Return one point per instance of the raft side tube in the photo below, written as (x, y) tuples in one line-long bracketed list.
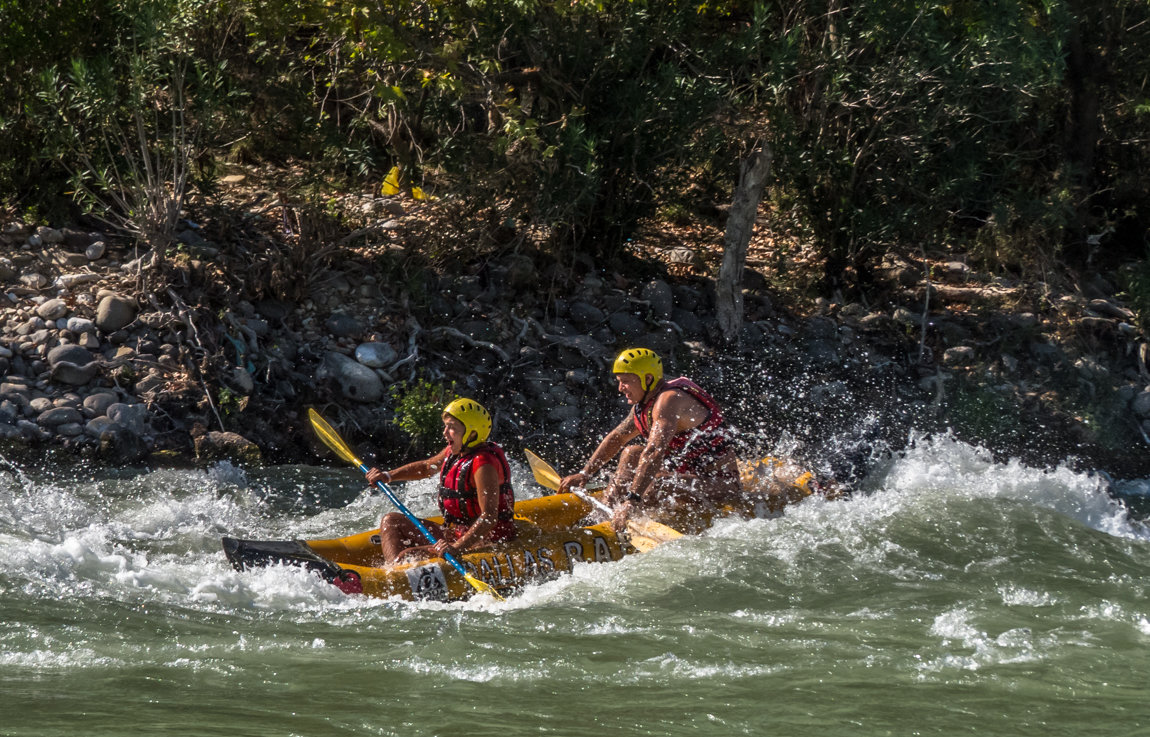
[(248, 554)]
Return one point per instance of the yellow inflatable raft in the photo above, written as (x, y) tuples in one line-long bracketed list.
[(553, 536)]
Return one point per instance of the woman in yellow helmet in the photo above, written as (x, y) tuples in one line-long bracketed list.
[(475, 494), (687, 458)]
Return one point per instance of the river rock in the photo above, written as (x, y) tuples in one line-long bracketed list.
[(343, 326), (958, 356), (72, 364), (569, 428), (1141, 403), (355, 381), (120, 445), (238, 380), (684, 255), (70, 430), (16, 230), (32, 432), (585, 315), (273, 309), (376, 354), (576, 378), (80, 325), (906, 317), (130, 416), (1106, 308), (627, 325), (520, 271), (227, 446), (52, 309), (96, 251), (59, 416), (49, 235), (662, 299), (34, 280), (73, 374), (1090, 369), (563, 412), (97, 404), (68, 281), (115, 312), (686, 298), (70, 353)]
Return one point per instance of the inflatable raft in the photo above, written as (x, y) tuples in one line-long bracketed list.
[(553, 537), (550, 542)]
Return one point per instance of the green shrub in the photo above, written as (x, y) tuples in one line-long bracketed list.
[(418, 411)]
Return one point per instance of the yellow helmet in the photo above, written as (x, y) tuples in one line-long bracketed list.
[(640, 361), (474, 418)]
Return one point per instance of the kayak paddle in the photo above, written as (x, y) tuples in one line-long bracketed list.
[(332, 440), (645, 533)]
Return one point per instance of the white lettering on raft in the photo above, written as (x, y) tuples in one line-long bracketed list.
[(574, 551), (533, 564)]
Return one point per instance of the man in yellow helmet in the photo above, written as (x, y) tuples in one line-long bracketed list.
[(475, 494), (687, 459)]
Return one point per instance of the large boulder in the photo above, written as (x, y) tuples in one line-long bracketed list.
[(355, 381)]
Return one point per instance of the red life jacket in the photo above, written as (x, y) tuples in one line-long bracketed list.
[(458, 494), (690, 451)]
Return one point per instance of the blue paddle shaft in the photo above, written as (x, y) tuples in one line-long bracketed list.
[(414, 520)]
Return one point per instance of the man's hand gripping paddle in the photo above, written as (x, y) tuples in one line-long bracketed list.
[(645, 534), (332, 440)]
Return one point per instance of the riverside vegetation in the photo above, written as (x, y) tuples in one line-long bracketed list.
[(220, 213)]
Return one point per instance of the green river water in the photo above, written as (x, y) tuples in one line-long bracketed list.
[(953, 596)]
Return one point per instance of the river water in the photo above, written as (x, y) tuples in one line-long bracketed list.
[(954, 595)]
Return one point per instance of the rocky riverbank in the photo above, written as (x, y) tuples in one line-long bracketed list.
[(216, 350)]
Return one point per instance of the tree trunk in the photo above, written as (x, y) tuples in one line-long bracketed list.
[(753, 172)]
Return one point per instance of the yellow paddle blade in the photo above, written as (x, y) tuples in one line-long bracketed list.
[(645, 534), (331, 438), (640, 542), (482, 586), (651, 530), (544, 474)]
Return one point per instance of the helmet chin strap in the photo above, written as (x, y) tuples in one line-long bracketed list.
[(649, 389)]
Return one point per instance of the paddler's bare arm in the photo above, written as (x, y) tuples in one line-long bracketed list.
[(610, 446), (664, 426), (672, 414), (413, 471), (487, 482)]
